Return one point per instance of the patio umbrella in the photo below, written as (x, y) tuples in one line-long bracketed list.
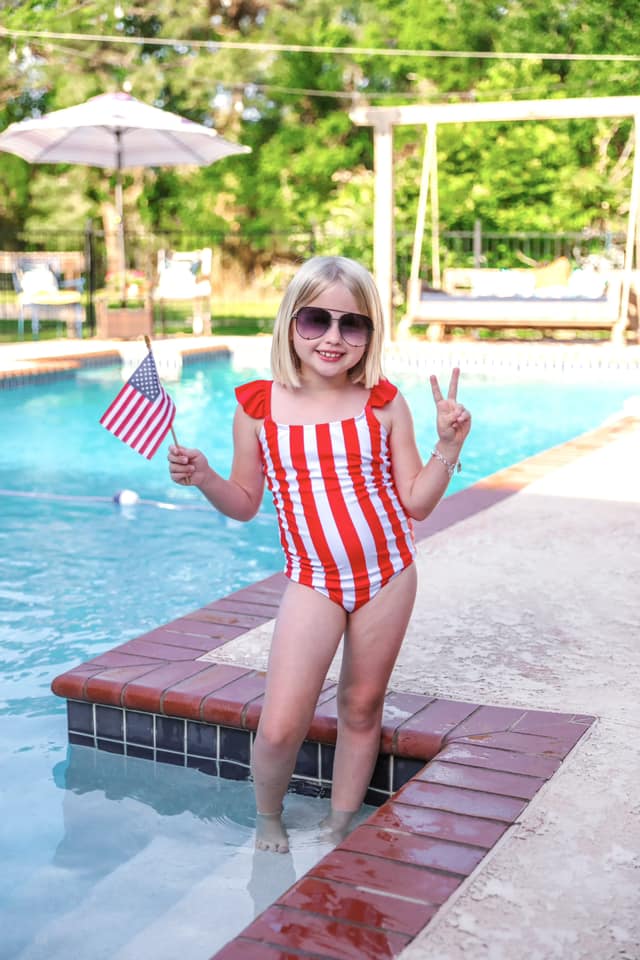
[(114, 130)]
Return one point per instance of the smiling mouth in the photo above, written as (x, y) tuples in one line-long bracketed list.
[(329, 354)]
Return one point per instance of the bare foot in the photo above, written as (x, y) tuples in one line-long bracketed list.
[(336, 824), (270, 833)]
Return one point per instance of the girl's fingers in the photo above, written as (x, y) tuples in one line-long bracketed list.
[(177, 456), (452, 392), (453, 384)]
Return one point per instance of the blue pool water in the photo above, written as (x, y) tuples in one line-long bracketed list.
[(102, 853)]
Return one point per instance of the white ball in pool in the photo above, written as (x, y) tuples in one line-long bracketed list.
[(126, 498)]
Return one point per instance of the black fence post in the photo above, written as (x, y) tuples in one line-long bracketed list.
[(90, 272), (477, 243)]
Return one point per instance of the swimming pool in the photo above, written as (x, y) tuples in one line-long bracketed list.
[(80, 575)]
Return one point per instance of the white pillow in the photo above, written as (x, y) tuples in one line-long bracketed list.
[(587, 283), (39, 280), (506, 283)]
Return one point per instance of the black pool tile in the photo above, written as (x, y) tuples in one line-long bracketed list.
[(403, 769), (327, 756), (110, 746), (381, 777), (375, 798), (202, 739), (163, 756), (234, 771), (170, 733), (308, 762), (80, 716), (204, 766), (307, 788), (139, 728), (235, 745), (81, 739), (144, 753), (109, 722)]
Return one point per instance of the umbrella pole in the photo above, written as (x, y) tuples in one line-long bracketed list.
[(120, 218)]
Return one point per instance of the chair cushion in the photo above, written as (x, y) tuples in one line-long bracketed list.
[(37, 281)]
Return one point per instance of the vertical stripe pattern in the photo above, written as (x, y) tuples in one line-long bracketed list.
[(342, 526)]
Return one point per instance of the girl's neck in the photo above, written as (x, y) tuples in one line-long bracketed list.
[(317, 402), (311, 383)]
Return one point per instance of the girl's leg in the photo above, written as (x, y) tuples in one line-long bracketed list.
[(374, 635), (306, 636)]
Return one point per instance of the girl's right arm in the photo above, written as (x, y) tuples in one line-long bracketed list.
[(238, 497)]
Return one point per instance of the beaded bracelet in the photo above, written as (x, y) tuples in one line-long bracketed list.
[(451, 467)]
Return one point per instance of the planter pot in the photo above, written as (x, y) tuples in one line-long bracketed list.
[(123, 323)]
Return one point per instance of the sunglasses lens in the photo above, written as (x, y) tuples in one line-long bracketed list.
[(355, 329), (312, 322)]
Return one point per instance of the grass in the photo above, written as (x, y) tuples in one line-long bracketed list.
[(232, 316)]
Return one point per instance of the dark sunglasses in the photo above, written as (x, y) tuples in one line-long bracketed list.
[(313, 323)]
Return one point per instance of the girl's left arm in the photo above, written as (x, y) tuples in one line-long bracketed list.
[(421, 485)]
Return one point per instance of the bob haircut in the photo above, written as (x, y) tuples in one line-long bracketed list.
[(312, 279)]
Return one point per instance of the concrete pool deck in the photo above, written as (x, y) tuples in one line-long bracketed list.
[(532, 603), (545, 614)]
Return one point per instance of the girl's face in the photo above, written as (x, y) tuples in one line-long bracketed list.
[(331, 340)]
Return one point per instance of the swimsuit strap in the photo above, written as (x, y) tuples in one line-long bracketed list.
[(255, 398), (382, 394)]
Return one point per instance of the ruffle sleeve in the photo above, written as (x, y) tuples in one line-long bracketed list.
[(253, 397), (382, 394)]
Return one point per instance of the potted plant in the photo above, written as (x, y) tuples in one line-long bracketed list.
[(124, 309)]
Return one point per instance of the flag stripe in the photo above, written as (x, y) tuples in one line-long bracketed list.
[(142, 413)]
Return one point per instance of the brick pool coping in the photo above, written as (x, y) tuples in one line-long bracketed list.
[(472, 769)]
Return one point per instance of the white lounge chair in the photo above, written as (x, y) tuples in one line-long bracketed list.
[(186, 276), (41, 293)]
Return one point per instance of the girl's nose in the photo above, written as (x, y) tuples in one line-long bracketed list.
[(333, 333)]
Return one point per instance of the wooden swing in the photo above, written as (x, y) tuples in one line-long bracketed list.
[(443, 307)]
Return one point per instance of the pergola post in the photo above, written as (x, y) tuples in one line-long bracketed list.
[(435, 214), (383, 219), (415, 278), (632, 238)]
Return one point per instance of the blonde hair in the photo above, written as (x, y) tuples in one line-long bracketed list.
[(312, 279)]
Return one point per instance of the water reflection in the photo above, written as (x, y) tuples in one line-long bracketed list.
[(169, 790), (153, 860)]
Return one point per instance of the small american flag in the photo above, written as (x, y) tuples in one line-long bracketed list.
[(142, 413)]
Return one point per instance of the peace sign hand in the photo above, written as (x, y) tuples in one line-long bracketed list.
[(453, 421)]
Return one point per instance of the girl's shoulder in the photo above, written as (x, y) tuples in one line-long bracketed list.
[(382, 394), (255, 398)]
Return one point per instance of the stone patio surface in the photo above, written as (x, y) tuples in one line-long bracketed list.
[(535, 603)]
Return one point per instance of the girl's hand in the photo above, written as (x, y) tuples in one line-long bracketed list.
[(453, 420), (187, 466)]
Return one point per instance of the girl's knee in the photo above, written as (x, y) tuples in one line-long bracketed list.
[(360, 710), (277, 736)]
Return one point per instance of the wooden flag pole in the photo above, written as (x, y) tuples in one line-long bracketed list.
[(147, 340)]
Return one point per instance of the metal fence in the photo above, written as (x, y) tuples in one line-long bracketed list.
[(251, 270)]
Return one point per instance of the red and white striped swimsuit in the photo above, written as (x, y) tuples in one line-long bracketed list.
[(342, 527)]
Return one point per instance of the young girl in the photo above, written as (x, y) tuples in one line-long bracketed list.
[(336, 444)]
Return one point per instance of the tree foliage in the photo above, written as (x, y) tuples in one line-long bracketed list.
[(310, 169)]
